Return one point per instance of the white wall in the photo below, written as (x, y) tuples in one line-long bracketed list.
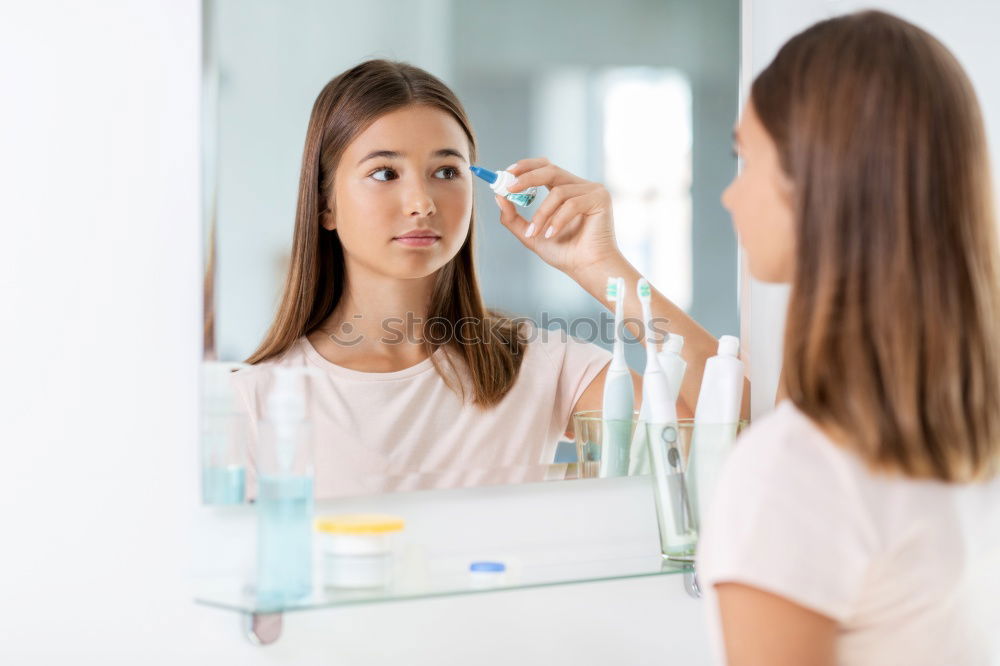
[(968, 28), (100, 276)]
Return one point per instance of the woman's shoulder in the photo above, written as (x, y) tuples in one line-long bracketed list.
[(786, 442), (786, 428), (295, 355)]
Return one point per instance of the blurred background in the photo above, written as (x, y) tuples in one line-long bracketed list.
[(640, 95)]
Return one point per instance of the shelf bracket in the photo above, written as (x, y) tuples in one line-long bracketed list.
[(691, 585), (262, 628)]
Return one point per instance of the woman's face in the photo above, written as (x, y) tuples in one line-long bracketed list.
[(760, 202), (402, 194)]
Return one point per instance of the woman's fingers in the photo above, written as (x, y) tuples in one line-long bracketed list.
[(594, 201), (519, 167), (562, 205), (556, 198), (564, 224), (510, 218), (545, 175)]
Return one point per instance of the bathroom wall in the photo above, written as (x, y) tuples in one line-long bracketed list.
[(968, 28)]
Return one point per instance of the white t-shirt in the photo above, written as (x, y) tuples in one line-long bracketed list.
[(376, 432), (909, 569)]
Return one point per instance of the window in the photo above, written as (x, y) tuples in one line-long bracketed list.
[(647, 136)]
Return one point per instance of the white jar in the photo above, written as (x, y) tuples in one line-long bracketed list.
[(357, 549)]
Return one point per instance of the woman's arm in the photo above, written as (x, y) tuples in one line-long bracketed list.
[(573, 230), (763, 629), (593, 397)]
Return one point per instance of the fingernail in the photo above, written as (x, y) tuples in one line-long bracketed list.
[(549, 232), (530, 230), (511, 166), (497, 200)]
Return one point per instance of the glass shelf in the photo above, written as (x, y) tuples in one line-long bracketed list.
[(442, 577)]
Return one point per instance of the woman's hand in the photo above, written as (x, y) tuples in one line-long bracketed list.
[(573, 227), (576, 216)]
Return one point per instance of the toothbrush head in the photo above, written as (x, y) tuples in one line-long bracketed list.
[(613, 294), (642, 288)]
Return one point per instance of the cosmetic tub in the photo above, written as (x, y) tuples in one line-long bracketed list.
[(357, 549)]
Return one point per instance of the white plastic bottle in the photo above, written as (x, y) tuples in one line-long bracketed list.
[(716, 418), (499, 181), (284, 502), (673, 363), (224, 428)]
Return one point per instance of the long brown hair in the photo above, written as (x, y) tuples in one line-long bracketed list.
[(892, 340), (346, 106)]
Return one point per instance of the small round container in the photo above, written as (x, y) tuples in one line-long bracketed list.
[(357, 549)]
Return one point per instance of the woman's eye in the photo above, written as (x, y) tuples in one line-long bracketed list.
[(383, 174), (448, 173)]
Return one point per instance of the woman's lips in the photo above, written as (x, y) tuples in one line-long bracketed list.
[(417, 241)]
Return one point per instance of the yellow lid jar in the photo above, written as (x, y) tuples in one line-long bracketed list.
[(357, 549)]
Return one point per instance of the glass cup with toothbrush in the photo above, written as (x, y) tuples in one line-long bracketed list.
[(589, 430), (676, 520), (604, 437), (672, 450)]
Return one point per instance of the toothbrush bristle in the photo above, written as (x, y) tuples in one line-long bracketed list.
[(644, 291), (612, 291)]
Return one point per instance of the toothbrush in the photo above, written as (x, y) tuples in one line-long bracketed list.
[(668, 465), (674, 367), (638, 463), (655, 386), (639, 456), (618, 396)]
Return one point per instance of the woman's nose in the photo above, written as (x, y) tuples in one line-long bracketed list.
[(727, 196), (419, 203)]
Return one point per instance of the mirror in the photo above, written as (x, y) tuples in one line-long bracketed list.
[(640, 95)]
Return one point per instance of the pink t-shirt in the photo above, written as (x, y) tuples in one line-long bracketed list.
[(375, 432), (909, 569)]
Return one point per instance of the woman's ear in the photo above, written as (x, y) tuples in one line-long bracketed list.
[(327, 220)]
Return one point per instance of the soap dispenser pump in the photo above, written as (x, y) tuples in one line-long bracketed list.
[(285, 490)]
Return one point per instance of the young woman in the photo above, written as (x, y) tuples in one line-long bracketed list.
[(859, 523), (419, 384)]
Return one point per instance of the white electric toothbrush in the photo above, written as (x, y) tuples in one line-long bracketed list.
[(674, 367), (638, 462), (618, 396), (672, 507)]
